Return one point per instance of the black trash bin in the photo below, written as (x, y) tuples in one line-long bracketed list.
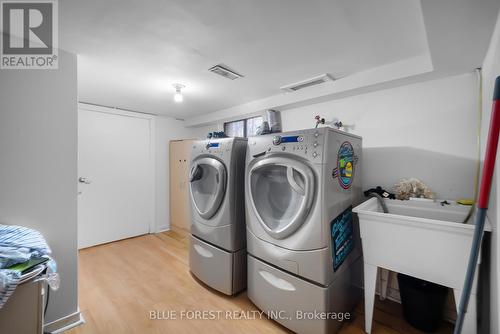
[(423, 302)]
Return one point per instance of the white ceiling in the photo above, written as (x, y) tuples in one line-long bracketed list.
[(131, 52)]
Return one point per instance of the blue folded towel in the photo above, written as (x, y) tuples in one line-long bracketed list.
[(17, 244)]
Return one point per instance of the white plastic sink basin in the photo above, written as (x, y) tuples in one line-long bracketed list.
[(420, 238)]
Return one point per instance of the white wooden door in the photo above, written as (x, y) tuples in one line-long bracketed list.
[(115, 185)]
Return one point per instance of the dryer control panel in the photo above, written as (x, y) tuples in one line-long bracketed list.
[(218, 147), (210, 145)]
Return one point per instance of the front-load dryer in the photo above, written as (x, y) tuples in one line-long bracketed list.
[(304, 251), (217, 253)]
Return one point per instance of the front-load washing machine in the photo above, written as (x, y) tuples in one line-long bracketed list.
[(304, 250), (217, 253)]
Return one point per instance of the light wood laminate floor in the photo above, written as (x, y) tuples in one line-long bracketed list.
[(121, 282)]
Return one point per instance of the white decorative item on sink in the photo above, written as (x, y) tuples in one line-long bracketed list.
[(421, 238)]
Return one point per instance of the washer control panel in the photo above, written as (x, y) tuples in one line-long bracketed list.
[(306, 143), (277, 140)]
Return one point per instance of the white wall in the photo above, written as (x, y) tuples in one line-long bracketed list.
[(426, 130), (491, 69), (38, 165)]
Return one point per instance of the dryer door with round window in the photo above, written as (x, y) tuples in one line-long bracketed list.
[(207, 179), (282, 193)]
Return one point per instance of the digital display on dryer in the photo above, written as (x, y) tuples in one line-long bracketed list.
[(213, 145)]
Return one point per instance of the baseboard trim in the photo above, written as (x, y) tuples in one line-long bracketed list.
[(65, 323), (162, 228)]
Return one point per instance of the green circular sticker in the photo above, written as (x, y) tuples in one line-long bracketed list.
[(345, 165)]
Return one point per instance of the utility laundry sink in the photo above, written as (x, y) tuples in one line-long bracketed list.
[(421, 238)]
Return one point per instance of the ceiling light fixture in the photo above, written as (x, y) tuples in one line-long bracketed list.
[(178, 94)]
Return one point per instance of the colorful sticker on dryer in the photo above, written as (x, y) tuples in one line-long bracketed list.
[(345, 165)]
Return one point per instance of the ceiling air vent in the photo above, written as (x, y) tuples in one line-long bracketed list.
[(225, 72), (307, 83)]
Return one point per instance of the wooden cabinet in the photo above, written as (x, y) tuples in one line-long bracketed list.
[(180, 156)]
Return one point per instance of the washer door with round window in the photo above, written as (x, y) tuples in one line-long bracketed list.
[(281, 194), (207, 179)]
